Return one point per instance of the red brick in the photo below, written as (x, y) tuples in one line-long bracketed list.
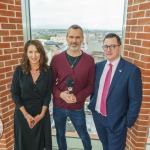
[(129, 15), (15, 20), (10, 51), (146, 28), (6, 81), (6, 104), (129, 59), (11, 62), (18, 14), (145, 58), (146, 92), (4, 45), (145, 21), (146, 44), (21, 49), (130, 35), (128, 28), (147, 13), (7, 1), (129, 47), (3, 93), (146, 79), (21, 38), (134, 55), (139, 1), (17, 44), (144, 6), (137, 28), (3, 87), (1, 64), (132, 8), (5, 69), (127, 41), (14, 7), (17, 2), (139, 64), (19, 26), (19, 55), (9, 38), (8, 26), (3, 6), (130, 2), (145, 36), (135, 42), (3, 19), (143, 117), (16, 32), (4, 32), (5, 57), (7, 13), (144, 111), (138, 14), (132, 22), (142, 50)]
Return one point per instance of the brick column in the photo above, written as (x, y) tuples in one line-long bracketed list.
[(137, 51), (11, 47)]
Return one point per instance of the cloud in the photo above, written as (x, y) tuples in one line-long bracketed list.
[(87, 13)]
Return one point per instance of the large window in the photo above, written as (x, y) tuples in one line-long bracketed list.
[(49, 20)]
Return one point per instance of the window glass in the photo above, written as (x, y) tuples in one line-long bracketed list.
[(50, 20)]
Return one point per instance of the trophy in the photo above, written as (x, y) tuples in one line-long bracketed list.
[(70, 83)]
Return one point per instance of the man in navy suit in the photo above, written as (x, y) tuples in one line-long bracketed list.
[(123, 100)]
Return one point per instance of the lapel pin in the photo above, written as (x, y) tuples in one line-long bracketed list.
[(120, 70)]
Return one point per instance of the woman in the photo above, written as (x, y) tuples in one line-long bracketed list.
[(31, 92)]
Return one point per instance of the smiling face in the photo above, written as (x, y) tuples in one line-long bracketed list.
[(33, 55), (112, 54), (74, 39)]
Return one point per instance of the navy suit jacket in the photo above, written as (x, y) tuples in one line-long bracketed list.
[(124, 96)]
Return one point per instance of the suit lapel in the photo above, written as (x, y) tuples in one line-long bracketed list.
[(118, 72)]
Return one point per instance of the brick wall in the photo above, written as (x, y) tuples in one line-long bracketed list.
[(11, 47), (137, 51)]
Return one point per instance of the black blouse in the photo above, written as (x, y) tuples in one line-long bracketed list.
[(25, 90)]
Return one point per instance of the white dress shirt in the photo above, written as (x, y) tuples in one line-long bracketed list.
[(102, 80)]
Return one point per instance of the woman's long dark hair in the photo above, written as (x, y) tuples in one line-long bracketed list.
[(25, 64)]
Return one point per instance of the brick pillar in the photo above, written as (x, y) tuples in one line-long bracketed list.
[(11, 47), (137, 51)]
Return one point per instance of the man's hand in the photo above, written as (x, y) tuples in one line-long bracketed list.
[(68, 98)]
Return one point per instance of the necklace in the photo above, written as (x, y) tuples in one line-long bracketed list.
[(72, 63)]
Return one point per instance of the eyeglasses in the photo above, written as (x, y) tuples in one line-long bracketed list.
[(111, 47)]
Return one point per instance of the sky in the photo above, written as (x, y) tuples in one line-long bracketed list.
[(89, 14)]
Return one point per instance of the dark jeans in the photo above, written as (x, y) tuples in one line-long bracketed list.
[(77, 118)]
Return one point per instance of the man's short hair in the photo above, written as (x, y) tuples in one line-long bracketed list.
[(113, 35), (75, 26)]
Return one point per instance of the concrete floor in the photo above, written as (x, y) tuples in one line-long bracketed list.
[(76, 144)]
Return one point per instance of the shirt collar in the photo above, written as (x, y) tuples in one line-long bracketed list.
[(114, 63)]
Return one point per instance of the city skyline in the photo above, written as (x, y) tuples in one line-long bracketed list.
[(88, 14)]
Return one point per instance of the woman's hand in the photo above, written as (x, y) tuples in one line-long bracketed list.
[(30, 120), (37, 118)]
